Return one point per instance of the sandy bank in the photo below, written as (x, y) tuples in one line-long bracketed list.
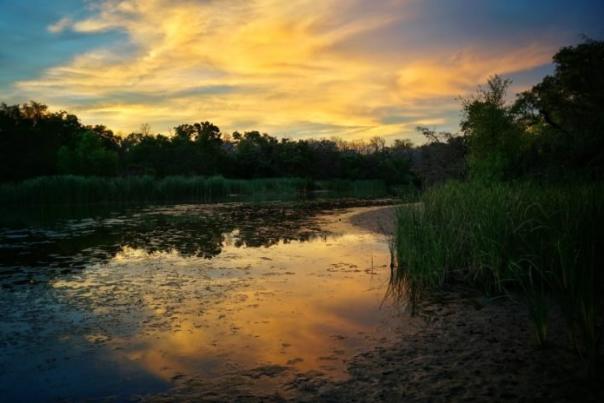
[(379, 219), (471, 349)]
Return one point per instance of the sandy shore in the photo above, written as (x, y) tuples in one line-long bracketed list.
[(471, 349), (379, 219)]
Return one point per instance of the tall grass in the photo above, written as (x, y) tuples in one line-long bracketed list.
[(71, 189), (366, 188), (542, 243)]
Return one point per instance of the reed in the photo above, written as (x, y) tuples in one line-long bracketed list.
[(362, 189), (541, 243), (77, 190)]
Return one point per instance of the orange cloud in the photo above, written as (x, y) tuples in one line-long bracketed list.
[(264, 62)]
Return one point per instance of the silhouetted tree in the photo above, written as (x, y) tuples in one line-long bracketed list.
[(442, 158), (87, 156), (495, 140), (563, 113)]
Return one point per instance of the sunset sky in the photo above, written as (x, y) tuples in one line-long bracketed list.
[(296, 68)]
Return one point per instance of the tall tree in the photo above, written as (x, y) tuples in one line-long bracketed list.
[(566, 109), (494, 138)]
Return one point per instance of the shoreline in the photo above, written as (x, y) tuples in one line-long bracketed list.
[(471, 348), (465, 348), (376, 218), (381, 220)]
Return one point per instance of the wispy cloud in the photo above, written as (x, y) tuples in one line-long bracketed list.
[(279, 64), (60, 25)]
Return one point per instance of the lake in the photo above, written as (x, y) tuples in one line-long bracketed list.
[(206, 300)]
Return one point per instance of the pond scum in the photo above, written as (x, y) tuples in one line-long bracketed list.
[(71, 189), (540, 243)]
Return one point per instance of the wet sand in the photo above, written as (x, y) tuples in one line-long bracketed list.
[(377, 219), (470, 348)]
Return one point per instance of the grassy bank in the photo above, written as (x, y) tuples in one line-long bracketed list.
[(539, 243), (140, 189)]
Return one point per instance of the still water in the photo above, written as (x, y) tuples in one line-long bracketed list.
[(129, 304)]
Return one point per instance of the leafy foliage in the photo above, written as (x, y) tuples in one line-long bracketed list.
[(38, 143), (495, 140), (554, 130), (87, 156)]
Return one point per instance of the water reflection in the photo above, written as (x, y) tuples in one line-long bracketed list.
[(154, 309), (33, 250)]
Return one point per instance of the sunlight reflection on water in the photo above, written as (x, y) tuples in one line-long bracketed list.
[(156, 316)]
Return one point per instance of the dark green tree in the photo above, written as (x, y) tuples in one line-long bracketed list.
[(495, 140), (565, 111), (87, 156)]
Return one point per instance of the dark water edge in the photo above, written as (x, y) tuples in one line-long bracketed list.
[(60, 235)]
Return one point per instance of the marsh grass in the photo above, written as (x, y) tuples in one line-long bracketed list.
[(541, 244), (74, 190), (366, 188)]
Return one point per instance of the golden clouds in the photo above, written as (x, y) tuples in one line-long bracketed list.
[(464, 70), (266, 63)]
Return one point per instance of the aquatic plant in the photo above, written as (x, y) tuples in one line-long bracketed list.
[(366, 188), (540, 243)]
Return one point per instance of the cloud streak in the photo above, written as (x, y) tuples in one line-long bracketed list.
[(290, 67)]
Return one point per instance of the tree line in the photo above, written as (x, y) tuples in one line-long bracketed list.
[(35, 142), (553, 129)]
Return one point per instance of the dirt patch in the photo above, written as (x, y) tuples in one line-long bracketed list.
[(471, 349), (377, 219), (380, 219)]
